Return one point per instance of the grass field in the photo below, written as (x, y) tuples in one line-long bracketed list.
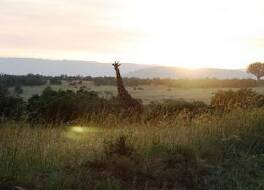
[(214, 150), (145, 93), (220, 153)]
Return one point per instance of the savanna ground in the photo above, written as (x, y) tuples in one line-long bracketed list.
[(146, 93), (219, 151)]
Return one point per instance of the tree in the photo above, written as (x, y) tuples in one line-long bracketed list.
[(256, 69)]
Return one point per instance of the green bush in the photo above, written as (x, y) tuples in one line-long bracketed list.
[(11, 107), (66, 106)]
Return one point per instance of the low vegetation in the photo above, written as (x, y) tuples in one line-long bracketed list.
[(243, 98), (216, 152), (64, 139), (56, 107)]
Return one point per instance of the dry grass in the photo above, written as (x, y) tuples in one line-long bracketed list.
[(50, 158)]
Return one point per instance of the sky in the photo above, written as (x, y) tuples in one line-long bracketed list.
[(182, 33)]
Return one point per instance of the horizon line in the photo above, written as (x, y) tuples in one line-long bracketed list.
[(102, 62)]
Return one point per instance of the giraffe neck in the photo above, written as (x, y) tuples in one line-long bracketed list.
[(120, 86)]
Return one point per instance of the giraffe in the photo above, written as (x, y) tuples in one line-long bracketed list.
[(129, 103)]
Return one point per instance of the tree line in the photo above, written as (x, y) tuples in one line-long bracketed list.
[(36, 80)]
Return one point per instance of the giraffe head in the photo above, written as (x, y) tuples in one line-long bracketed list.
[(116, 65)]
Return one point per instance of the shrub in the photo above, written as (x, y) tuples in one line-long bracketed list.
[(66, 106), (165, 166), (11, 107), (120, 147), (243, 98), (172, 108)]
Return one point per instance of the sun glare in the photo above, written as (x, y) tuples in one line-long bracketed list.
[(216, 34)]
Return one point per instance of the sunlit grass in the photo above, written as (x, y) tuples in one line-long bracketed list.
[(45, 156)]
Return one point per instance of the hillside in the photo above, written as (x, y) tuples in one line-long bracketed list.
[(178, 73), (22, 66)]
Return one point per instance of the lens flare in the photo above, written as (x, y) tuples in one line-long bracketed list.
[(77, 129), (77, 132)]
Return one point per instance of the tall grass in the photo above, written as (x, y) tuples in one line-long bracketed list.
[(210, 152)]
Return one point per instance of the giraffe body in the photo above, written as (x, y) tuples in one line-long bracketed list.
[(129, 103)]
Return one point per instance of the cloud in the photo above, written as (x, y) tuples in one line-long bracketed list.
[(63, 25)]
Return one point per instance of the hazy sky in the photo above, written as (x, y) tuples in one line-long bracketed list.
[(185, 33)]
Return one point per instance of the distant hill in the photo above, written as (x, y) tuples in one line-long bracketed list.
[(22, 66), (179, 73)]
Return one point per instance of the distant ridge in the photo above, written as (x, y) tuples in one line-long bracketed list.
[(182, 73), (23, 66)]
